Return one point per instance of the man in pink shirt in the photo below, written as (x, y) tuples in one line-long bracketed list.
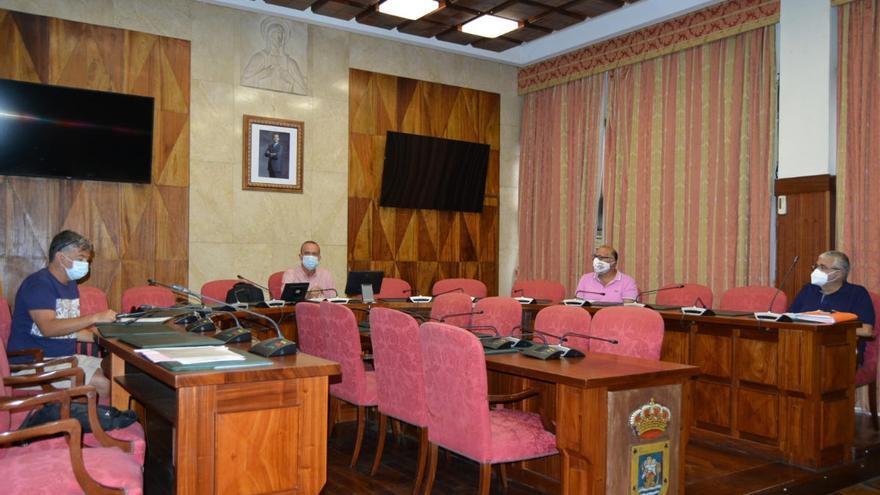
[(605, 283), (320, 280)]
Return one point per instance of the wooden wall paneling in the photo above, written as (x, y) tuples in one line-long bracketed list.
[(420, 246), (139, 231), (807, 229)]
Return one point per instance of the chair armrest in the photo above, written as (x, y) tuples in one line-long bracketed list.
[(76, 375), (45, 363), (91, 395), (35, 354), (510, 398)]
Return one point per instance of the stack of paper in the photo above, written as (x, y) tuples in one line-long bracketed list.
[(823, 317), (144, 319), (191, 355)]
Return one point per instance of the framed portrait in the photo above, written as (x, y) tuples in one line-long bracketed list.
[(272, 154)]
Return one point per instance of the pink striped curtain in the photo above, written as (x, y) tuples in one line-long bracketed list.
[(558, 190), (858, 138), (689, 163)]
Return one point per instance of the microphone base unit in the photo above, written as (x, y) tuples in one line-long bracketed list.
[(420, 299), (771, 316), (274, 303), (496, 343), (201, 325), (697, 311), (568, 352), (635, 304), (543, 352), (525, 300), (339, 300), (279, 346), (575, 302), (234, 335)]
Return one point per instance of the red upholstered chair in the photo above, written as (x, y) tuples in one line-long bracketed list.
[(394, 288), (459, 418), (311, 336), (559, 320), (639, 332), (358, 386), (469, 286), (5, 321), (134, 297), (549, 290), (454, 303), (689, 295), (275, 286), (753, 298), (400, 382), (867, 374), (91, 300), (217, 289), (504, 314)]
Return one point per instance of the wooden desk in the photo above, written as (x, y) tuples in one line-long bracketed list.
[(249, 430), (591, 400)]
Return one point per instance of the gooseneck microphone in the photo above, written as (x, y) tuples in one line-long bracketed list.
[(457, 289), (254, 284), (577, 293), (769, 314), (321, 291), (661, 289)]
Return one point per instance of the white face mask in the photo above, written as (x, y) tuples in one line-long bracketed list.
[(600, 266), (78, 270), (310, 262), (818, 277)]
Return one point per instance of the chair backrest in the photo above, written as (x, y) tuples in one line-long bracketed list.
[(394, 288), (311, 335), (550, 290), (397, 356), (559, 320), (689, 295), (469, 286), (217, 289), (504, 314), (5, 417), (753, 298), (343, 344), (91, 300), (456, 389), (638, 330), (454, 303), (134, 297), (867, 373), (274, 285), (5, 322)]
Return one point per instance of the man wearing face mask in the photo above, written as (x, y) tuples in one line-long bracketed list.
[(320, 280), (829, 290), (606, 283), (46, 314)]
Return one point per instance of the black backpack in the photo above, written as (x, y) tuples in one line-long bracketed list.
[(109, 417), (243, 292)]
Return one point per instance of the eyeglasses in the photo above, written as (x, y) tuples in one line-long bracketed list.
[(826, 269), (607, 259)]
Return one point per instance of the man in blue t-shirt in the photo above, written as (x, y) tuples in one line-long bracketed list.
[(828, 290), (46, 314)]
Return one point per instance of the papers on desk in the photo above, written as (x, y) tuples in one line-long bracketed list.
[(191, 355), (145, 319), (823, 317)]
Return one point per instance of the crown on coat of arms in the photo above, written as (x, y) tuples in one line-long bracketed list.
[(650, 420)]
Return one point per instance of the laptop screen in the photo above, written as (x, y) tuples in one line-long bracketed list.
[(295, 292)]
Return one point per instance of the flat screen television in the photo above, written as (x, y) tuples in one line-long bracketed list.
[(433, 173), (54, 131)]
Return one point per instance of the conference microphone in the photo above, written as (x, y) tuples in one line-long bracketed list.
[(278, 346), (769, 315), (578, 301), (661, 289), (523, 298), (457, 289), (272, 302), (701, 310)]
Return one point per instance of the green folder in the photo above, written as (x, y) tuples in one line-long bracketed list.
[(173, 339), (114, 330), (250, 360)]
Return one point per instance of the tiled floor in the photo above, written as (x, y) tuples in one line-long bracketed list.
[(870, 487)]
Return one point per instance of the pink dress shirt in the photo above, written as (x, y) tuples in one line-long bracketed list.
[(322, 279), (622, 287)]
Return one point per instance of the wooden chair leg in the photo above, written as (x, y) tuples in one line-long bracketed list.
[(432, 467), (397, 428), (383, 431), (331, 422), (502, 473), (362, 419), (872, 403), (485, 478), (423, 453)]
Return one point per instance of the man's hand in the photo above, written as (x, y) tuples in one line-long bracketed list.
[(107, 316)]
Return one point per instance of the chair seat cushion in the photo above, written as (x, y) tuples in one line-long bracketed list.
[(518, 435), (132, 433), (50, 472), (364, 397)]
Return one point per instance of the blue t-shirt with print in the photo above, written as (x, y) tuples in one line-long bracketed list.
[(41, 290)]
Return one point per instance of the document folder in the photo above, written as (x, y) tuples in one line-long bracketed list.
[(174, 339)]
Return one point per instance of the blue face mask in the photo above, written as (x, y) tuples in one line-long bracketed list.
[(78, 269), (310, 262)]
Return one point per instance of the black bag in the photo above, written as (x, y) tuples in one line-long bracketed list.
[(244, 292), (109, 417)]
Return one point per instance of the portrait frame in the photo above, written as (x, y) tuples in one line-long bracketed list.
[(272, 154)]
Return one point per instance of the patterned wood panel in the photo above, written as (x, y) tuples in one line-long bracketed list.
[(420, 246), (139, 230)]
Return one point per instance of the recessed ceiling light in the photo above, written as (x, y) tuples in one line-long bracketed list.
[(489, 26), (408, 9)]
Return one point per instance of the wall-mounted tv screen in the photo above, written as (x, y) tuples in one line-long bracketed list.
[(433, 173), (54, 131)]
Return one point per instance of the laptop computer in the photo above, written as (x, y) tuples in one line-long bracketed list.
[(295, 292)]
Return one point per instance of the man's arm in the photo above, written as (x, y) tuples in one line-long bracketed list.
[(51, 326), (865, 330)]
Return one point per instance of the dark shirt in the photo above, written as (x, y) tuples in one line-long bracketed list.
[(41, 290), (850, 298)]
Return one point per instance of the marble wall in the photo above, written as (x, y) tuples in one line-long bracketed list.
[(255, 233)]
